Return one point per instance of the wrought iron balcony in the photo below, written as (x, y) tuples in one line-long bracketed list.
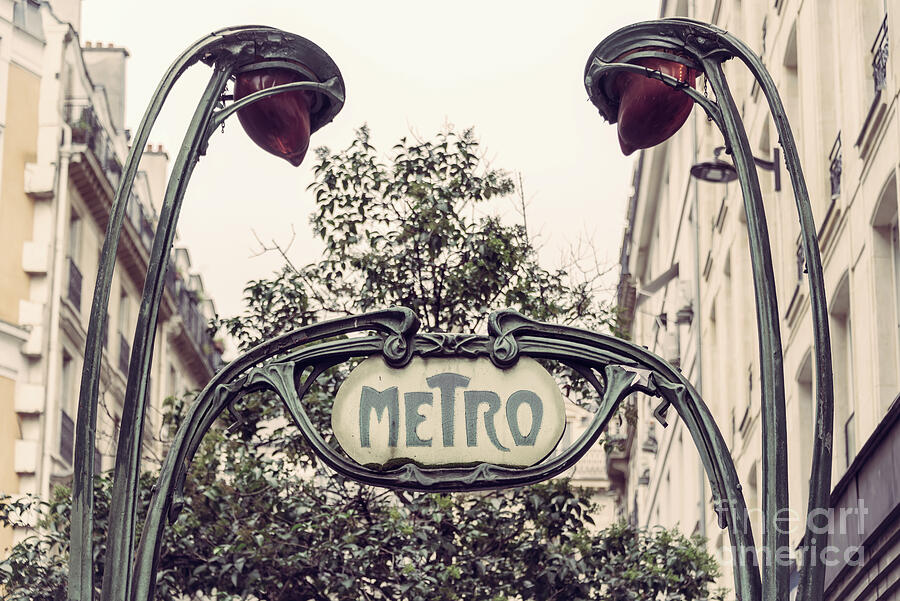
[(124, 353), (86, 129), (834, 168), (66, 436), (592, 466), (801, 261), (74, 287), (880, 56), (195, 323), (644, 478)]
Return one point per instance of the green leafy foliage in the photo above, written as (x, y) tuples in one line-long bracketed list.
[(417, 232), (263, 520), (265, 534)]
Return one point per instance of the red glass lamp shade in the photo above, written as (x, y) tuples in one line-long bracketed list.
[(279, 124), (650, 111)]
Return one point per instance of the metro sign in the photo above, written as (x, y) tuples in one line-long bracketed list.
[(448, 412)]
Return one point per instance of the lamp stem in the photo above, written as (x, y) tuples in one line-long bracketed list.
[(120, 543), (812, 571), (775, 577), (81, 547)]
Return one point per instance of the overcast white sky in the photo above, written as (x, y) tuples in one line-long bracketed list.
[(513, 70)]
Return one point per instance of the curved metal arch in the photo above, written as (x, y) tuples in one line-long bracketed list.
[(225, 50), (677, 391), (396, 324), (710, 46), (812, 580), (274, 366), (81, 554)]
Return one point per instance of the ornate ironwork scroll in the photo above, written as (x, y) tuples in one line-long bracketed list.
[(617, 369)]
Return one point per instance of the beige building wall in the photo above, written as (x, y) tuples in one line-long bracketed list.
[(19, 87), (62, 148), (16, 212), (9, 432)]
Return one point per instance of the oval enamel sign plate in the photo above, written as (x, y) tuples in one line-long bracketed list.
[(448, 412)]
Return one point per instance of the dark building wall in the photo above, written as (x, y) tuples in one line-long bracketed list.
[(864, 555)]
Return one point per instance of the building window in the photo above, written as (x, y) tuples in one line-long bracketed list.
[(801, 429), (124, 312), (66, 383), (850, 437), (895, 259), (74, 237), (886, 292), (66, 404), (73, 290), (117, 428), (124, 323), (98, 460), (751, 498), (842, 361), (790, 85), (27, 16), (173, 382), (835, 168), (879, 56)]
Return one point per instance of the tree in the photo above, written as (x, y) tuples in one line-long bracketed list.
[(263, 519)]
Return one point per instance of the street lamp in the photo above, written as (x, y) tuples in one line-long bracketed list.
[(703, 48), (285, 88), (277, 124), (649, 111), (718, 171), (715, 170)]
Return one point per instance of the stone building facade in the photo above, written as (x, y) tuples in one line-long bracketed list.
[(62, 147), (686, 290)]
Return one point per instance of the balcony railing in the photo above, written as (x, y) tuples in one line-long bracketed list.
[(87, 130), (124, 353), (880, 56), (74, 287), (592, 466), (66, 436), (834, 167), (801, 260), (194, 321)]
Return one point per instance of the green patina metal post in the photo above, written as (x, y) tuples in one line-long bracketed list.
[(227, 51), (706, 48), (615, 368)]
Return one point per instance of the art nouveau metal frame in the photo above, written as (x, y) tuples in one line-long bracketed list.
[(289, 364)]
